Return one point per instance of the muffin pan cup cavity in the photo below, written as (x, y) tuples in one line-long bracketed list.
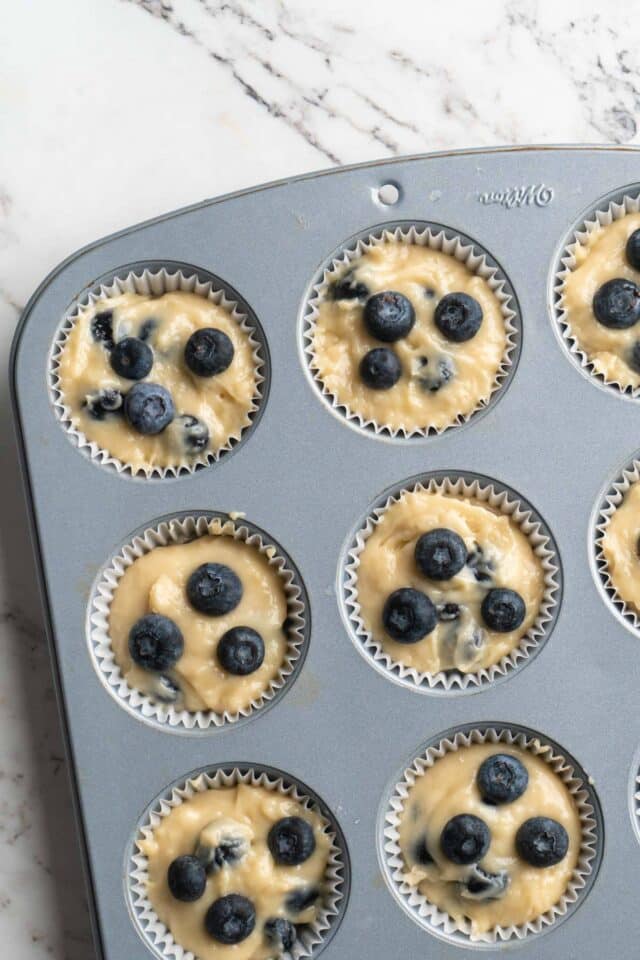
[(156, 279), (501, 498), (613, 206), (426, 914), (606, 505), (183, 529), (434, 236), (312, 937)]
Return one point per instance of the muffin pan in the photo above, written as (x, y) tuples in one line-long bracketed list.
[(302, 474)]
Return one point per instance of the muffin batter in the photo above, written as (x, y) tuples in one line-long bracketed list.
[(156, 583), (601, 258), (450, 788), (441, 380), (245, 814), (209, 411), (499, 555), (620, 547)]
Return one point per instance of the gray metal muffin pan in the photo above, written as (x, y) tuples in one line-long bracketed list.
[(305, 477)]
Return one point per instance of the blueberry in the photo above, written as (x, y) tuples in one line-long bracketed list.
[(349, 289), (380, 369), (214, 588), (280, 933), (389, 316), (458, 317), (501, 779), (301, 899), (503, 610), (149, 408), (632, 250), (542, 842), (409, 615), (481, 565), (167, 690), (482, 885), (102, 328), (230, 919), (448, 611), (440, 554), (465, 839), (105, 401), (147, 328), (429, 293), (633, 357), (229, 851), (439, 377), (186, 878), (195, 433), (155, 642), (131, 358), (421, 853), (291, 841), (208, 351), (616, 304), (240, 651)]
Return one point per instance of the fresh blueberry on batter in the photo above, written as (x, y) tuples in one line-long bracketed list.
[(155, 643), (448, 611), (228, 852), (101, 404), (421, 853), (291, 841), (482, 885), (195, 433), (409, 615), (131, 358), (230, 919), (616, 304), (147, 328), (458, 317), (187, 879), (435, 379), (465, 839), (632, 250), (299, 900), (149, 408), (214, 589), (480, 564), (440, 554), (502, 779), (380, 369), (240, 651), (542, 842), (280, 933), (208, 351), (389, 316), (503, 610), (102, 328), (347, 288)]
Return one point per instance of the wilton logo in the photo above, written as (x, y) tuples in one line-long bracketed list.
[(533, 195)]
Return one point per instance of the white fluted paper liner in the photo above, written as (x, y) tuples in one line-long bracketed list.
[(428, 914), (182, 530), (309, 936), (154, 283), (542, 545), (605, 510), (446, 241), (600, 217)]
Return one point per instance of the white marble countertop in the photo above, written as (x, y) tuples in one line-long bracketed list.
[(113, 111)]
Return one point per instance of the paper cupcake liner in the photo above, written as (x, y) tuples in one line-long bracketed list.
[(311, 937), (427, 914), (157, 280), (182, 529), (606, 505), (499, 497), (634, 795), (436, 237), (602, 214)]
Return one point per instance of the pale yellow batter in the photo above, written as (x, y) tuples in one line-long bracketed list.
[(600, 258), (256, 875), (620, 547), (155, 583), (222, 402), (447, 789), (340, 340), (387, 563)]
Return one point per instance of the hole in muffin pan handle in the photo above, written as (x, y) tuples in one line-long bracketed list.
[(388, 194)]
